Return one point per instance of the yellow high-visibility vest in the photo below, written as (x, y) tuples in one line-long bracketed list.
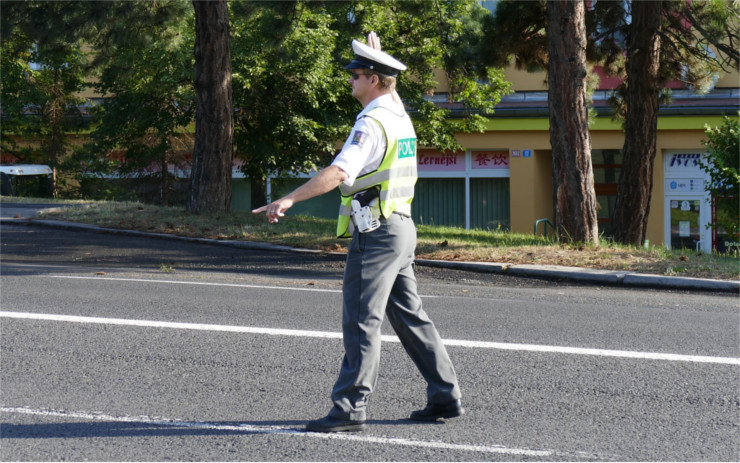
[(396, 174)]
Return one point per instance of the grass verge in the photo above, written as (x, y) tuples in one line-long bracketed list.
[(442, 243)]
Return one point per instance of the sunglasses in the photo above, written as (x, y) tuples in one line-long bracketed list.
[(356, 75)]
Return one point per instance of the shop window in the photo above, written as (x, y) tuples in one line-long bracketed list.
[(439, 201), (685, 223), (606, 166), (489, 204)]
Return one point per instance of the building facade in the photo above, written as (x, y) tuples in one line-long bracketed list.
[(503, 177)]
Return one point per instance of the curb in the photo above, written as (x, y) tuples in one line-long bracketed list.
[(602, 277), (575, 274)]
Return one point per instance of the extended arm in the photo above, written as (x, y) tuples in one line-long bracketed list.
[(325, 181)]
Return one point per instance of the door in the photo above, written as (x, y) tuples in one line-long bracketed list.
[(687, 224)]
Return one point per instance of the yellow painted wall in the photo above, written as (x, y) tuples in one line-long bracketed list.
[(442, 81), (731, 80), (531, 190), (531, 178), (523, 81)]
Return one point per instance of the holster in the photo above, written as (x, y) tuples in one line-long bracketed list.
[(366, 209)]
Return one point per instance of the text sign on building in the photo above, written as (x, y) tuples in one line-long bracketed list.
[(684, 185), (683, 163), (490, 159), (683, 173), (435, 161)]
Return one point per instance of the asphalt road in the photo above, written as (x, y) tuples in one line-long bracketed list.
[(131, 348)]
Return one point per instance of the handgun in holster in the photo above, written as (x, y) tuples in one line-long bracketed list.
[(366, 209)]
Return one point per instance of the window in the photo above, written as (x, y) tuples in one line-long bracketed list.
[(606, 166), (439, 201)]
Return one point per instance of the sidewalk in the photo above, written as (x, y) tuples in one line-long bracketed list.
[(550, 272)]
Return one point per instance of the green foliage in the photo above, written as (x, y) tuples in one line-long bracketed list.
[(142, 124), (13, 94), (433, 35), (287, 91), (41, 103), (292, 97), (42, 75), (723, 167), (516, 33)]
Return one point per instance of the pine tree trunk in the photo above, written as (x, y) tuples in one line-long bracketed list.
[(635, 186), (573, 181), (54, 115), (210, 183), (165, 181), (258, 189)]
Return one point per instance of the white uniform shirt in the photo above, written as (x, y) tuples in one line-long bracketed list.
[(365, 147)]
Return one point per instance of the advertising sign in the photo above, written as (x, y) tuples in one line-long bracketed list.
[(490, 159), (683, 163), (435, 161)]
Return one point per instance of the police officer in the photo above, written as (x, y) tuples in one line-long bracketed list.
[(376, 173)]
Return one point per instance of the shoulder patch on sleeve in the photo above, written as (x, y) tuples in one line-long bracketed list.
[(358, 138)]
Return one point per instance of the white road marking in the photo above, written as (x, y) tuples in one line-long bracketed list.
[(385, 338), (200, 283), (251, 428)]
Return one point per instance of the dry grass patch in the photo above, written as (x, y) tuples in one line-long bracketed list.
[(443, 243)]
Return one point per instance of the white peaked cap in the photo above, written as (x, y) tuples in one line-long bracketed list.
[(370, 58)]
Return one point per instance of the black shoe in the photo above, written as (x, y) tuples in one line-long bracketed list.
[(433, 412), (331, 424)]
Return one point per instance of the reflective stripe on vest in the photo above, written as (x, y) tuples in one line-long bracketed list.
[(346, 209), (396, 175)]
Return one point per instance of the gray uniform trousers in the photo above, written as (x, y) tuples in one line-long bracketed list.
[(379, 279)]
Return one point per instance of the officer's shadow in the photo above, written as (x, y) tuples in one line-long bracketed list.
[(103, 428)]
